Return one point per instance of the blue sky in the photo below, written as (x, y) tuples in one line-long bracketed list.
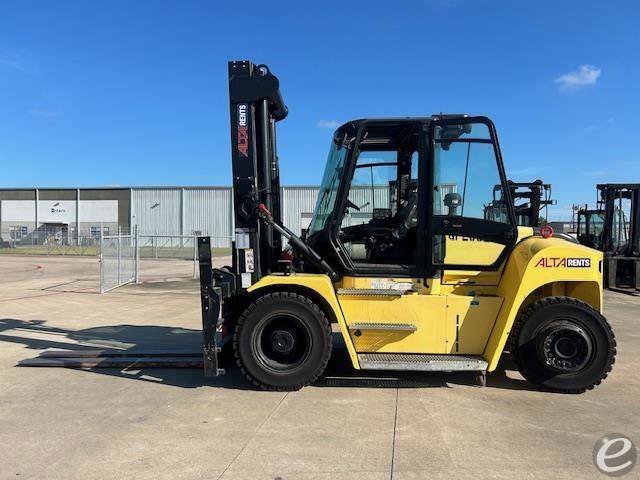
[(117, 92)]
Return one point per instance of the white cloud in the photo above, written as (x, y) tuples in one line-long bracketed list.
[(593, 173), (585, 75), (328, 124), (44, 113)]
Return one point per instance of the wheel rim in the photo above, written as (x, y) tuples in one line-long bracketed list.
[(282, 343), (565, 346)]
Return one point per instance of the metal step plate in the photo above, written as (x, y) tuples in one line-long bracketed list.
[(376, 292), (383, 326), (421, 362)]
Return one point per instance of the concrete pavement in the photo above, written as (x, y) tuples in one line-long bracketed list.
[(173, 423)]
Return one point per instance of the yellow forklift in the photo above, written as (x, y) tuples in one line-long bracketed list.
[(399, 255)]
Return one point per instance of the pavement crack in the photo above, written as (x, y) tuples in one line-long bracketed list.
[(393, 443), (253, 435)]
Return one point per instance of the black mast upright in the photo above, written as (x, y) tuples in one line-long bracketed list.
[(255, 106)]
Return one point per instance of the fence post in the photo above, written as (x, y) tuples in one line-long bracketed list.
[(101, 264), (195, 255), (119, 252), (136, 256)]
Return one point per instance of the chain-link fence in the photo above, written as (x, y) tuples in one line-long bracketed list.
[(118, 261), (61, 241), (49, 241), (168, 246), (132, 258), (125, 257), (159, 247)]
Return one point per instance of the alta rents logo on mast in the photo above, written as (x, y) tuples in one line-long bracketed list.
[(559, 262), (243, 133)]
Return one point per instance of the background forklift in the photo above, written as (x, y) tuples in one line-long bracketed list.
[(536, 196), (529, 199), (614, 228), (589, 227), (422, 282)]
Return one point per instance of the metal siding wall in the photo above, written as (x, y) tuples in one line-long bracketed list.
[(366, 199), (295, 202), (156, 210), (443, 189), (210, 212)]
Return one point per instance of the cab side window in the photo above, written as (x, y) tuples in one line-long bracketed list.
[(467, 188), (381, 215), (466, 177)]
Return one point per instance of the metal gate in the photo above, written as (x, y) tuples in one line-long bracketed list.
[(118, 260), (121, 255)]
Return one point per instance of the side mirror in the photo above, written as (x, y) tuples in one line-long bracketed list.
[(453, 131)]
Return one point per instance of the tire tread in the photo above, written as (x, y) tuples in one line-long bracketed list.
[(538, 305), (273, 296)]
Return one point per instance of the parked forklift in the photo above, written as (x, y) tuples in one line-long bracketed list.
[(529, 199), (535, 197), (589, 227), (419, 280), (614, 228)]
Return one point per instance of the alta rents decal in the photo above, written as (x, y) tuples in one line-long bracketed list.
[(557, 262), (243, 134)]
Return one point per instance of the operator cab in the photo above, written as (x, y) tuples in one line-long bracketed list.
[(398, 195), (379, 220), (590, 226)]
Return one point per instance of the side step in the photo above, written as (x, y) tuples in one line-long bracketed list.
[(421, 362), (383, 326), (376, 292)]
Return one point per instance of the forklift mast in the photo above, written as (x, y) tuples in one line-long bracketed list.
[(611, 199), (536, 196), (255, 105)]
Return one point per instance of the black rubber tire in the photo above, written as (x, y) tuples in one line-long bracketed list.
[(527, 332), (257, 316)]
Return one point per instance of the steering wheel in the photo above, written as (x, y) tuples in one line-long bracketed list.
[(350, 204)]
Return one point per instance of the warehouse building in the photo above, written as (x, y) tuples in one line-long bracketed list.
[(79, 215)]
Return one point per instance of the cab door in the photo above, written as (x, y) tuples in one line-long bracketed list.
[(472, 227), (472, 223), (388, 305)]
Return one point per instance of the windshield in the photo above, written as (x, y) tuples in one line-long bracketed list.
[(329, 187), (582, 223), (596, 224), (620, 234)]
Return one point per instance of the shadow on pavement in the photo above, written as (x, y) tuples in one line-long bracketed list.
[(132, 339)]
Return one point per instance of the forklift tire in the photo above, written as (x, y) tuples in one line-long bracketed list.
[(282, 341), (563, 345)]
